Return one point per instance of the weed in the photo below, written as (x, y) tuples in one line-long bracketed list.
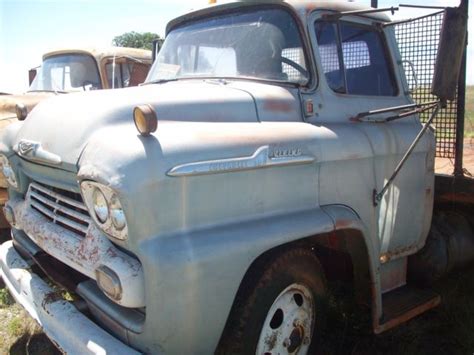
[(15, 327), (5, 298)]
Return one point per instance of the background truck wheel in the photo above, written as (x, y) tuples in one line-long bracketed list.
[(279, 308)]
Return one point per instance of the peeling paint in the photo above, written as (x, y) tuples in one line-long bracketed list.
[(83, 254)]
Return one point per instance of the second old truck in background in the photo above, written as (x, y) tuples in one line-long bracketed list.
[(68, 71)]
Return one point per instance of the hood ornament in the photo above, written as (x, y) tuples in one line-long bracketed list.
[(24, 147), (34, 151)]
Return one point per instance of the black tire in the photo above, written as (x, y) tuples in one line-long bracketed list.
[(259, 291)]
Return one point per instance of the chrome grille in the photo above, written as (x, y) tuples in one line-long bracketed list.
[(61, 207)]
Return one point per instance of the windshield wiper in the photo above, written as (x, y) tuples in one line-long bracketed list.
[(55, 91), (160, 81)]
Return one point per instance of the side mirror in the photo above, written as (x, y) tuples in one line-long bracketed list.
[(32, 75), (450, 52)]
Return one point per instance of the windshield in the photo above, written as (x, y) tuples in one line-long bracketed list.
[(264, 44), (67, 73)]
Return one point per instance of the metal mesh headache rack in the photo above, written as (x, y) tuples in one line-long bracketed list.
[(418, 41)]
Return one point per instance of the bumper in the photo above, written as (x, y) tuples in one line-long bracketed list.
[(72, 331)]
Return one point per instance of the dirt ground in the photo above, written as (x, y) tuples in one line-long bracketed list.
[(446, 166)]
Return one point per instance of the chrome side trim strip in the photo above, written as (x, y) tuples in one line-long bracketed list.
[(260, 159)]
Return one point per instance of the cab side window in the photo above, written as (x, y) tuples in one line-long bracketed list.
[(126, 73), (354, 59)]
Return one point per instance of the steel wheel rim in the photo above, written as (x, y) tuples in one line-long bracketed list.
[(288, 326)]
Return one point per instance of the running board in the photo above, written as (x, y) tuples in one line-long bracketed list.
[(403, 304)]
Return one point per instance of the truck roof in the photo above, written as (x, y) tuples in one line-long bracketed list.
[(100, 53), (301, 7)]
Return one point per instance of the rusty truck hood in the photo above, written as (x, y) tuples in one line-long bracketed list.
[(61, 127), (9, 102)]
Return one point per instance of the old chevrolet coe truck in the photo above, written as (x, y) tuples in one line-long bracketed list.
[(203, 211)]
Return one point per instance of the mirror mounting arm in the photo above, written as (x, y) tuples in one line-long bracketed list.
[(377, 196)]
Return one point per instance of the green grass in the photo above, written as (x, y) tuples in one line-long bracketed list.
[(469, 122), (446, 132), (5, 298), (17, 327)]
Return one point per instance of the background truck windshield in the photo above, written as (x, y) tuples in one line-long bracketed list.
[(72, 72), (263, 44)]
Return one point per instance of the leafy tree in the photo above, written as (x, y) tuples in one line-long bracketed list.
[(135, 40)]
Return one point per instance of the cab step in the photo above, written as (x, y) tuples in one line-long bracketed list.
[(403, 304)]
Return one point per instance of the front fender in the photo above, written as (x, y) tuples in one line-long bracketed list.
[(192, 278)]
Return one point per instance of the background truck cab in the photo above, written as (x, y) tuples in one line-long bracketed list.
[(74, 70)]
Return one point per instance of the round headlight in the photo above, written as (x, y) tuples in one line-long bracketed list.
[(116, 213), (101, 208)]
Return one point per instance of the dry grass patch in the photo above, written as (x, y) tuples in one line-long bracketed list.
[(19, 333)]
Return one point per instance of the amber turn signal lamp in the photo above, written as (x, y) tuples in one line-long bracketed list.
[(145, 119)]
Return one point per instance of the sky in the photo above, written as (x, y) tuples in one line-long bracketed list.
[(29, 28)]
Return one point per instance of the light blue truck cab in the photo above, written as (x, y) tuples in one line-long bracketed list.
[(203, 211)]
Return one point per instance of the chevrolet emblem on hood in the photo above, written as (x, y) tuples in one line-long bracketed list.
[(34, 151)]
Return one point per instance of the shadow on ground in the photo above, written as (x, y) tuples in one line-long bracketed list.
[(447, 329)]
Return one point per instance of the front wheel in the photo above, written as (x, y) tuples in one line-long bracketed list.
[(279, 309)]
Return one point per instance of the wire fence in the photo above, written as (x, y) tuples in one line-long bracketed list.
[(418, 44)]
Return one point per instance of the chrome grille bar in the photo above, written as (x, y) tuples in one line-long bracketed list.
[(57, 218), (59, 197), (59, 209)]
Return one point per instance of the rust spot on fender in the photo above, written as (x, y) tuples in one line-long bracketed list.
[(277, 106), (334, 241), (343, 224)]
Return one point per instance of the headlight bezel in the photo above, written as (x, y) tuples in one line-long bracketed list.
[(112, 200), (8, 171)]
